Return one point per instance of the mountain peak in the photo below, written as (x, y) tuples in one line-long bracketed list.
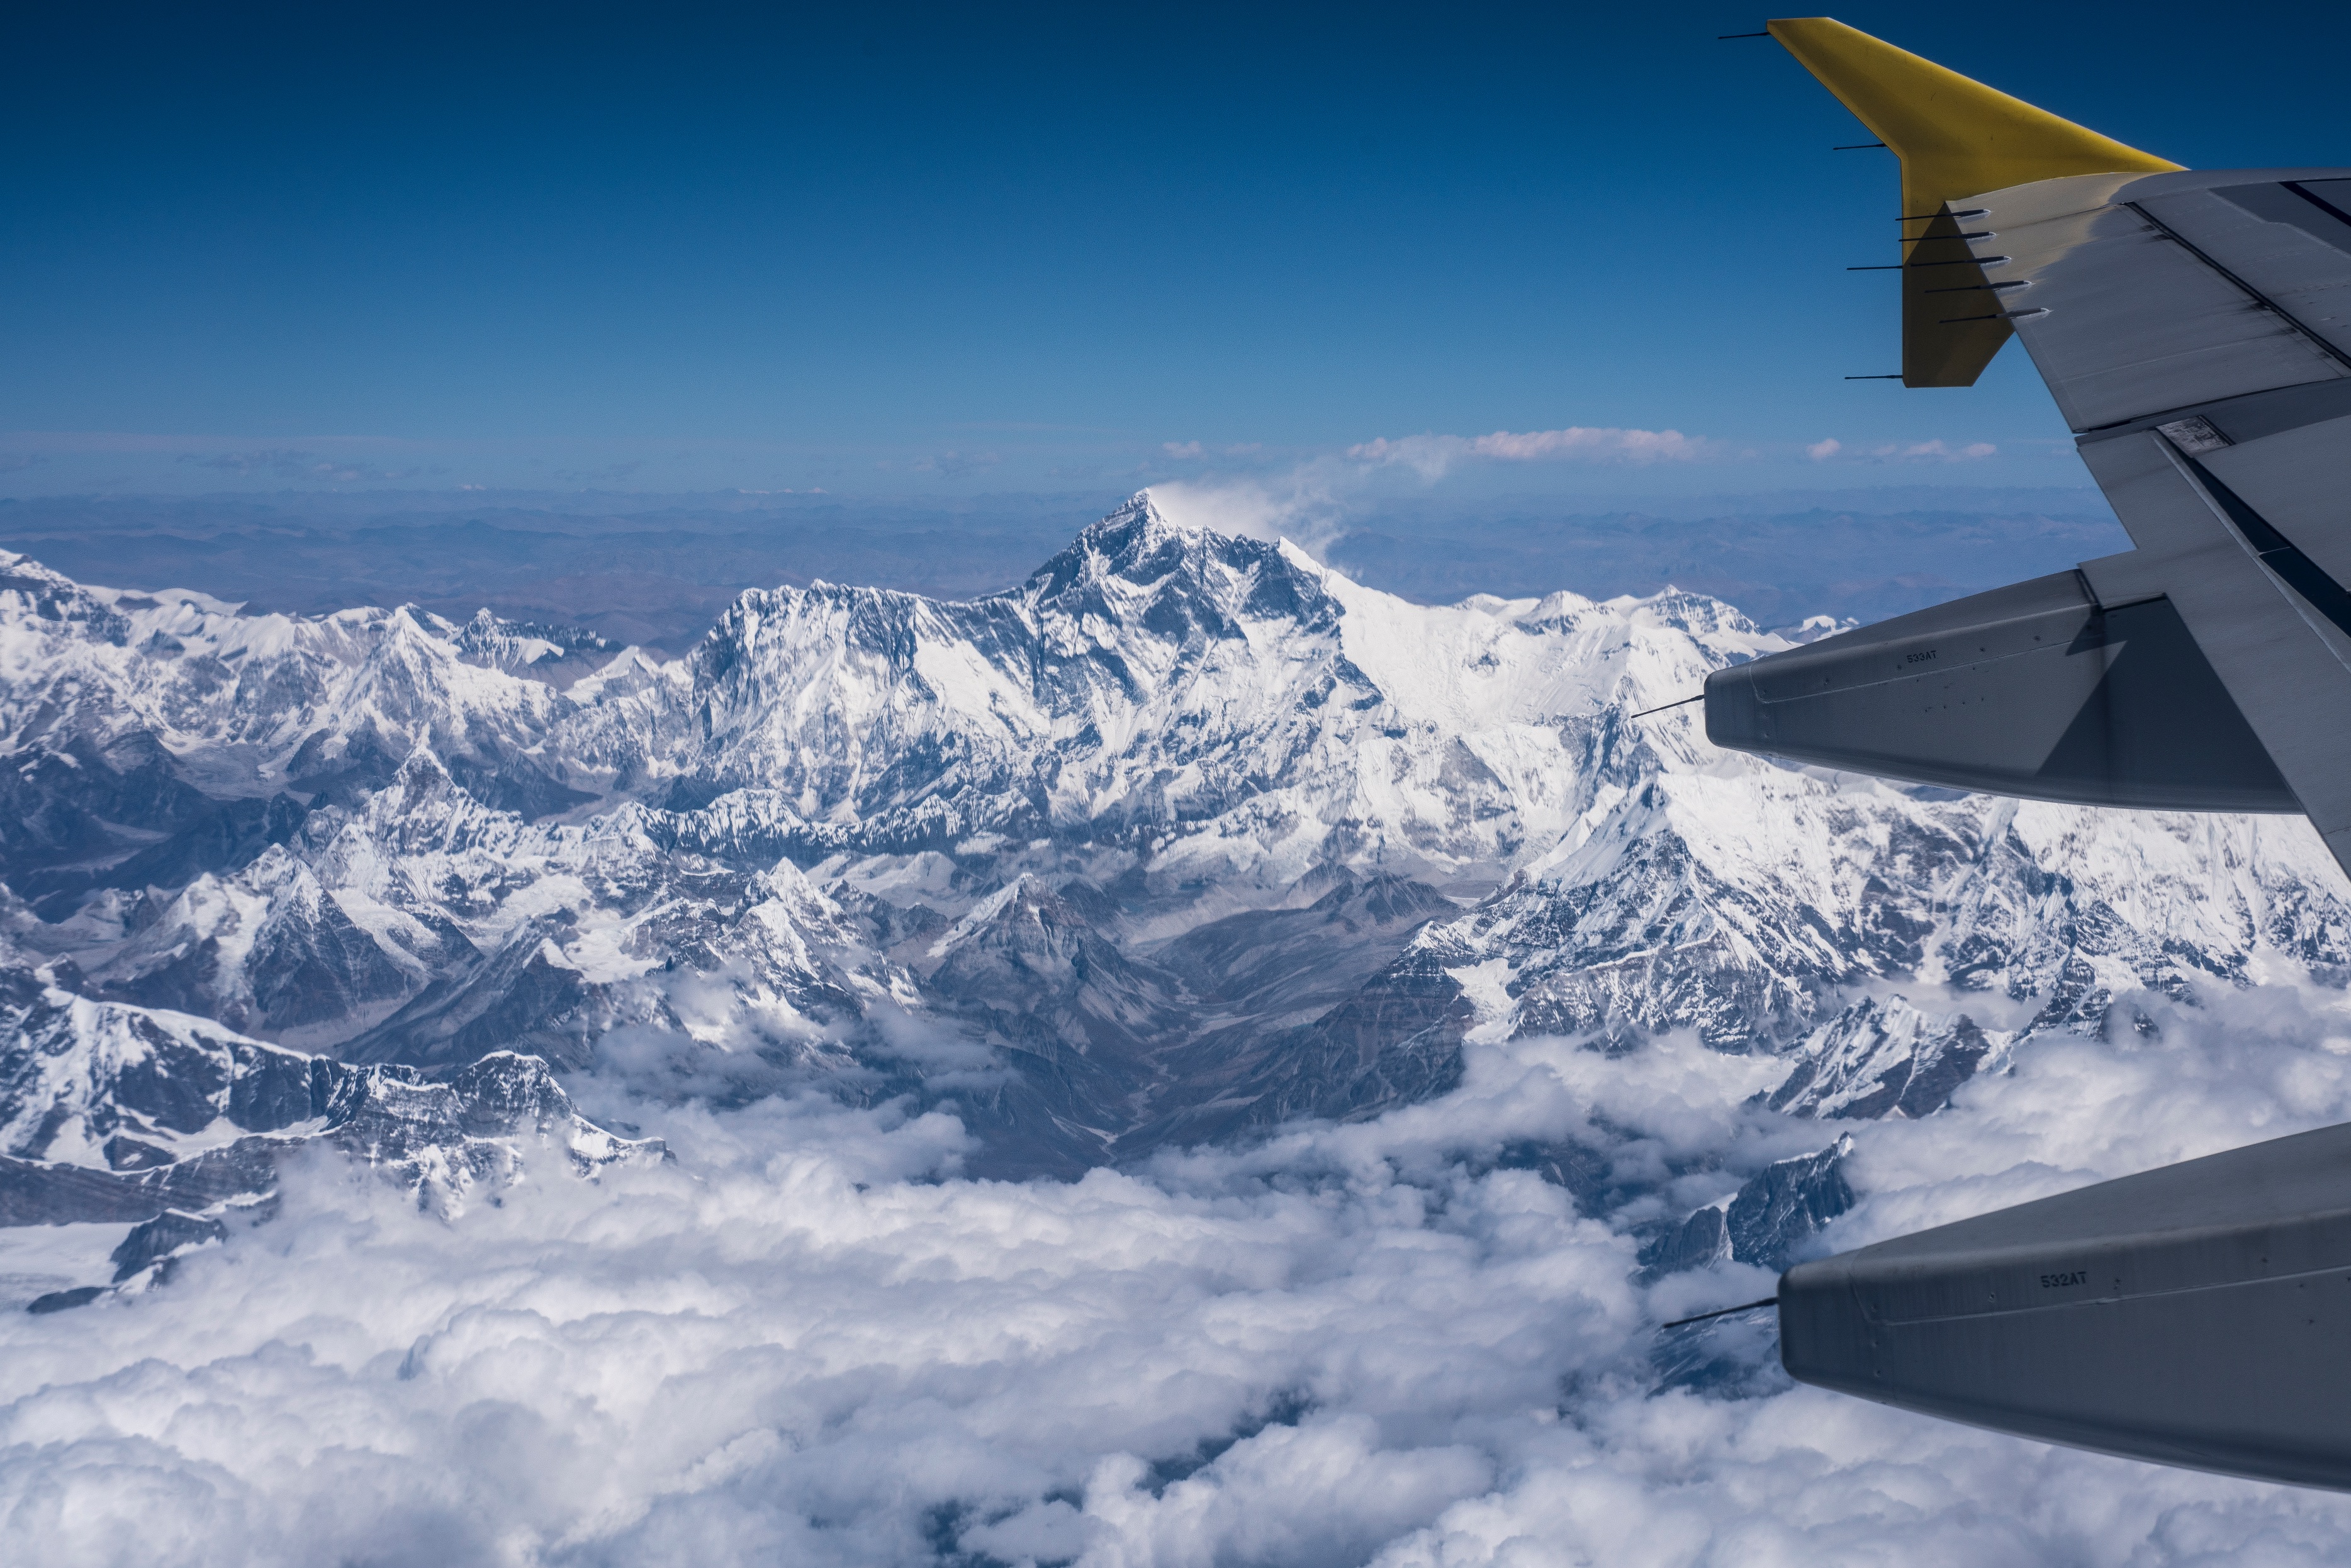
[(1135, 526), (1137, 507), (1139, 546)]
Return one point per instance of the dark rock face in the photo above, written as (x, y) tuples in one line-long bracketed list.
[(1768, 1222), (228, 836), (1883, 1059), (1035, 975), (1033, 980), (34, 1193), (1786, 1205), (1703, 1238), (65, 1300), (515, 997), (1323, 1011), (152, 1241), (130, 1078), (87, 799), (1291, 961), (1393, 1040), (128, 1153)]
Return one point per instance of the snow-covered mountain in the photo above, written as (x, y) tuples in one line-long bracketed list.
[(1186, 835), (111, 1113)]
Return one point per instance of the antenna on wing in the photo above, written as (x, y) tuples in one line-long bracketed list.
[(1722, 1312)]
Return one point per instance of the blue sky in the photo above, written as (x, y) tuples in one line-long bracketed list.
[(958, 250)]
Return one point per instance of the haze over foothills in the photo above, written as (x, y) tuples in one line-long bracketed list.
[(864, 790)]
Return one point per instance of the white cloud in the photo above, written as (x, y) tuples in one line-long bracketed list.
[(787, 1350), (1937, 450), (1934, 451), (1308, 504), (1433, 454), (1300, 506), (955, 464), (801, 1344)]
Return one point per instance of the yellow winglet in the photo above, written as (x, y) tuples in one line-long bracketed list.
[(1957, 139)]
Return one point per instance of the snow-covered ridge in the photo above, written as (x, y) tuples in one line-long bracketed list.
[(112, 1114), (1184, 834), (246, 704)]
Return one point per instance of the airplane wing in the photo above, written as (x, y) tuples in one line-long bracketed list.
[(2195, 329)]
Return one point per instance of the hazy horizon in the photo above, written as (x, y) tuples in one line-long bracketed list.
[(657, 570)]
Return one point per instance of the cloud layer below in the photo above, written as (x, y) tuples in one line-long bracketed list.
[(810, 1342)]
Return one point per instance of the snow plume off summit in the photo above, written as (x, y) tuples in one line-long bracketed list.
[(1190, 1060)]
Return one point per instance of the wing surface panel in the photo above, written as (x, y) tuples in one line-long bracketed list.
[(2296, 482), (2123, 321), (2289, 250)]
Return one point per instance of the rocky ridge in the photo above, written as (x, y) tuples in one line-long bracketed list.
[(111, 1113)]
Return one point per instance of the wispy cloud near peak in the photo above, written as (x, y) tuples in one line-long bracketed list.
[(1433, 454), (1934, 451), (1939, 449)]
